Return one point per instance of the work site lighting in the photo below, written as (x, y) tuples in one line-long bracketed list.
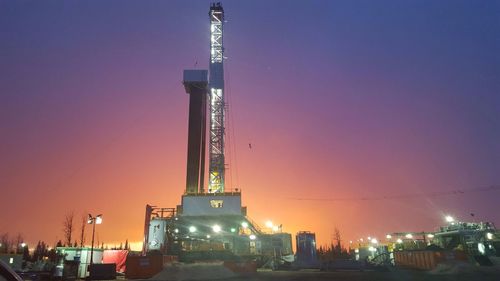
[(388, 236), (409, 236), (192, 229), (269, 224), (93, 221), (216, 228), (244, 224), (399, 241), (449, 219), (252, 237), (489, 236)]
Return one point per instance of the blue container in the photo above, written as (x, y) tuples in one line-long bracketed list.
[(306, 248)]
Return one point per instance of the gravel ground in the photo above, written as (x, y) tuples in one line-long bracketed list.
[(366, 276)]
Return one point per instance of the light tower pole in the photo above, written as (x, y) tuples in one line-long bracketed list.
[(216, 101), (93, 220)]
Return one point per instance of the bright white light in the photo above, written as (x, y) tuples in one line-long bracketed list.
[(98, 219), (481, 248), (244, 224), (216, 228), (356, 250), (372, 249), (399, 241), (23, 244), (208, 236), (269, 224), (361, 239), (449, 219), (430, 235), (369, 238), (374, 241), (388, 236), (350, 241), (176, 230), (409, 236), (192, 229), (252, 237), (275, 228), (11, 260), (489, 235), (233, 229)]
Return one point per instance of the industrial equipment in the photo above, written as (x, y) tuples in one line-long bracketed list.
[(210, 223)]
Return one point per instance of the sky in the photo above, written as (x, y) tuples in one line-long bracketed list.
[(368, 116)]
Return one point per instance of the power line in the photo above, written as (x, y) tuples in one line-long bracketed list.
[(406, 196)]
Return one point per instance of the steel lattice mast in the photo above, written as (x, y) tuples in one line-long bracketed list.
[(216, 101)]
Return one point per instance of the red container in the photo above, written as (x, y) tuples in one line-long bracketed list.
[(426, 260), (142, 267)]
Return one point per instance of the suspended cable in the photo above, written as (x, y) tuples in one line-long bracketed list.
[(405, 196)]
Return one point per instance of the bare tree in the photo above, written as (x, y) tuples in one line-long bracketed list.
[(5, 241), (68, 228), (19, 240), (338, 238), (82, 230)]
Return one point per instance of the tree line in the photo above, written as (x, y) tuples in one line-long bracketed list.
[(335, 250), (16, 244)]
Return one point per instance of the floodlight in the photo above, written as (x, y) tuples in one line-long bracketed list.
[(244, 224), (399, 241), (216, 228), (489, 236), (409, 236), (98, 219), (252, 237), (449, 219), (388, 236), (269, 224), (192, 229), (430, 235), (374, 241)]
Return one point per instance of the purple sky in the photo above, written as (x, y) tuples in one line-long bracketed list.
[(340, 99)]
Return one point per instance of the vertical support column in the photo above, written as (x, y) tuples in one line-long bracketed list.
[(195, 82)]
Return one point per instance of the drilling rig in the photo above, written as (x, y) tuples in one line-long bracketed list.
[(212, 223)]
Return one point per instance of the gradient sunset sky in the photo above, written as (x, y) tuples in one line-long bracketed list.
[(343, 102)]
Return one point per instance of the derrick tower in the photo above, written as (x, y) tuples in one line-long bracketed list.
[(216, 101)]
